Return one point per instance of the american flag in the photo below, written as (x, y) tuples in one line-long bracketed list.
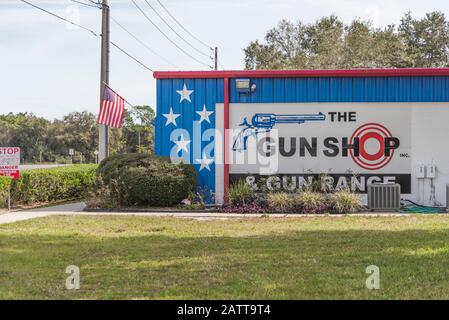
[(112, 109)]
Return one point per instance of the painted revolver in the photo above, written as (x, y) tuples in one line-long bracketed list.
[(264, 122)]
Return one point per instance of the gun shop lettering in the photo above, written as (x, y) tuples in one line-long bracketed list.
[(330, 146), (372, 142)]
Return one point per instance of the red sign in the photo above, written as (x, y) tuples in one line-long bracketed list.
[(9, 162)]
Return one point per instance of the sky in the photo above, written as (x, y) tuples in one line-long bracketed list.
[(50, 68)]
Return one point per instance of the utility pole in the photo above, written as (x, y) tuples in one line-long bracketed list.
[(216, 58), (103, 148)]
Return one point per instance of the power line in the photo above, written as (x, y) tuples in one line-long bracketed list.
[(143, 43), (184, 28), (89, 30), (129, 55), (99, 3), (167, 37), (172, 29), (61, 18), (90, 4)]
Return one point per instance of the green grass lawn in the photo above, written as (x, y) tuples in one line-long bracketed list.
[(167, 258)]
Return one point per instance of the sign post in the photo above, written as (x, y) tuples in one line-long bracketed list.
[(9, 198), (9, 166), (71, 153)]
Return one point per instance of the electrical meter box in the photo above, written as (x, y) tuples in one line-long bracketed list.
[(421, 171), (431, 171)]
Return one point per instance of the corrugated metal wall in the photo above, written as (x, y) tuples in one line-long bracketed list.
[(206, 92), (271, 90), (369, 89)]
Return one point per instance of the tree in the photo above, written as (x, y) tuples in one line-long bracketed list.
[(26, 131), (50, 141), (324, 43), (426, 40), (330, 44), (78, 131), (137, 133)]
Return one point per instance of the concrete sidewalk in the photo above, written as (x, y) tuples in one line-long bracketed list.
[(67, 209), (77, 209)]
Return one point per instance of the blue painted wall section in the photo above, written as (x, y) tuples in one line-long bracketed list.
[(206, 92), (282, 90), (361, 89)]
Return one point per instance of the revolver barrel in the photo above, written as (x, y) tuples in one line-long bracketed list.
[(268, 120)]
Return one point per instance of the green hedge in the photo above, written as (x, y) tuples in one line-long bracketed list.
[(5, 182), (141, 180), (54, 184)]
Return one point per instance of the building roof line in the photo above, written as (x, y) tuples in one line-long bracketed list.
[(403, 72)]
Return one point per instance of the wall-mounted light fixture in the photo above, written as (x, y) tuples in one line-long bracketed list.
[(243, 85)]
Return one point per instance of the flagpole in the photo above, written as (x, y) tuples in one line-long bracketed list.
[(103, 141)]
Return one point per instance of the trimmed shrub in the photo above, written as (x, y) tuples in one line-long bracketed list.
[(103, 195), (310, 202), (240, 193), (345, 202), (281, 202), (110, 167), (5, 182), (245, 200), (54, 184), (141, 180)]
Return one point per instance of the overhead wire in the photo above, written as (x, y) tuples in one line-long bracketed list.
[(167, 37), (184, 28), (89, 30), (188, 32), (61, 18), (143, 43), (98, 4), (96, 35), (175, 32), (90, 4)]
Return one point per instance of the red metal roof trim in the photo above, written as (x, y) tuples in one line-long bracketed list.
[(412, 72)]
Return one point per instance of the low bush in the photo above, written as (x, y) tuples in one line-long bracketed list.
[(310, 202), (141, 180), (240, 193), (102, 195), (344, 202), (5, 182), (281, 202), (244, 200), (54, 184)]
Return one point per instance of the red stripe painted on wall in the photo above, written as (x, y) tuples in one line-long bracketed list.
[(226, 140), (404, 72)]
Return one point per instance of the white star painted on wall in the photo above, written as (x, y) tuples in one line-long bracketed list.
[(182, 144), (171, 117), (185, 94), (205, 162), (204, 114)]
